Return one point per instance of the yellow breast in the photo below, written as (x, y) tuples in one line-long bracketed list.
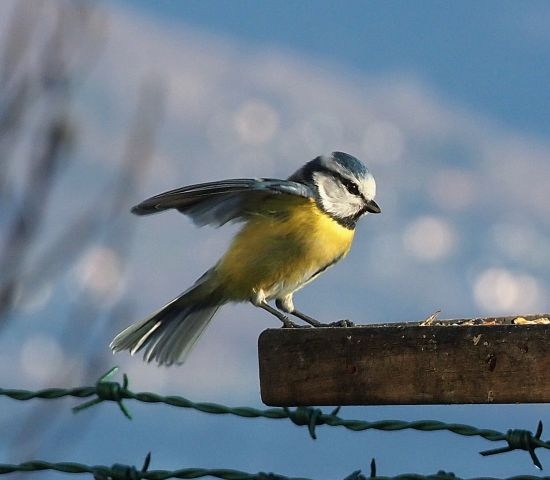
[(280, 250)]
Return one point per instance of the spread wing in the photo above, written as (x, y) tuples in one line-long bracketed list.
[(217, 203)]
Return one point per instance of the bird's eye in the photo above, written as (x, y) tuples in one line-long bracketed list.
[(351, 187)]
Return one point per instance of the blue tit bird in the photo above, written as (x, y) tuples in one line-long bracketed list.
[(293, 231)]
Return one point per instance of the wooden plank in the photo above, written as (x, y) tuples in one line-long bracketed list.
[(407, 364)]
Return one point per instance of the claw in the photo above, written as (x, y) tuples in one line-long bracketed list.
[(342, 323), (287, 323)]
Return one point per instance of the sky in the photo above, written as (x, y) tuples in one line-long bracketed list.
[(490, 57), (447, 105)]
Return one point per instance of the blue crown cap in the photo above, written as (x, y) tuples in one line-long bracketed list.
[(350, 163)]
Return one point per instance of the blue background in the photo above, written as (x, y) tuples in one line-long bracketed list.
[(447, 103)]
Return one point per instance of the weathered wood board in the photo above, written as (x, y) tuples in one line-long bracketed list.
[(407, 364)]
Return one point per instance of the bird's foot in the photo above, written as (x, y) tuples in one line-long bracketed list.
[(287, 323), (341, 323), (337, 324)]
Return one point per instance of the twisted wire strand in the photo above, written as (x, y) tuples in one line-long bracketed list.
[(48, 393), (106, 390), (127, 472), (300, 415)]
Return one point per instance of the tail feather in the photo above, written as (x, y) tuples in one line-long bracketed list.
[(172, 344), (168, 336)]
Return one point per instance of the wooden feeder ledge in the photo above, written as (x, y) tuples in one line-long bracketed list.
[(484, 360)]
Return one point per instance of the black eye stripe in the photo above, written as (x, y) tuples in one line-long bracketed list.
[(350, 186)]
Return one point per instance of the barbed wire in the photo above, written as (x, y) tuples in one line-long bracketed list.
[(129, 472), (106, 390)]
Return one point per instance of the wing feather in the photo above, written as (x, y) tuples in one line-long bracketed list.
[(217, 203)]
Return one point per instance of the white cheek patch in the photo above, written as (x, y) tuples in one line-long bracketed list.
[(335, 198), (368, 187)]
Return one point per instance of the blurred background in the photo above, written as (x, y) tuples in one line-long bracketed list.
[(105, 103)]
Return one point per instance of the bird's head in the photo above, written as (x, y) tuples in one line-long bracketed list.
[(344, 187)]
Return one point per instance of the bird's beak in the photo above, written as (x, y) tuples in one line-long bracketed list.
[(372, 207)]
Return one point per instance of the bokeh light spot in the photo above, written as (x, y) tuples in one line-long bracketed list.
[(498, 290), (429, 238), (256, 122), (100, 272)]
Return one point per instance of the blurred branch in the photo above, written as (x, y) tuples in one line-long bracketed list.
[(110, 213), (111, 207), (74, 44), (17, 39), (69, 50), (61, 56), (27, 220)]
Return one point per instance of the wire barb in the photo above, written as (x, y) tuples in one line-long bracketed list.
[(309, 416), (522, 440), (302, 416), (122, 472), (357, 475), (110, 391), (129, 472)]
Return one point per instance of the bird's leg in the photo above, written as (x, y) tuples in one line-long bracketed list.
[(287, 323), (308, 319), (287, 305), (258, 300)]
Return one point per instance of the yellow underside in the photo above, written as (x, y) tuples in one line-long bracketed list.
[(279, 252)]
